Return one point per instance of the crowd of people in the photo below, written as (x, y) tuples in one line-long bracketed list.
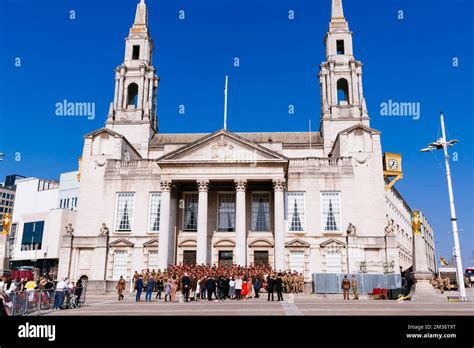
[(62, 290), (218, 283)]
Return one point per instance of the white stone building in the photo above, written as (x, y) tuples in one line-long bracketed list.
[(314, 205)]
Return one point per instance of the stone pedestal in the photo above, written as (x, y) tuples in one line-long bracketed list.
[(423, 291)]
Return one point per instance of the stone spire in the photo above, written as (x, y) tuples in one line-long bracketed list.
[(338, 21), (141, 16), (337, 11)]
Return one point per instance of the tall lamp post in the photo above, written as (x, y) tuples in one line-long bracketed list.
[(441, 143)]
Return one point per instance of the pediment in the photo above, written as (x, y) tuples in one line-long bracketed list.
[(121, 242), (332, 242), (261, 243), (297, 243), (222, 147), (225, 243), (361, 127), (189, 243), (151, 243)]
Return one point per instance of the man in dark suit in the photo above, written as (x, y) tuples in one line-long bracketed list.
[(186, 283), (279, 287), (139, 287), (270, 287), (211, 287)]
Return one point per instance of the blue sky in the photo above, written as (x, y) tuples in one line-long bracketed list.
[(408, 60)]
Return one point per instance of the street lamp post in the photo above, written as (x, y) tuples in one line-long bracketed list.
[(441, 143)]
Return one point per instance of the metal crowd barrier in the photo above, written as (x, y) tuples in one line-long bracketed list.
[(34, 302)]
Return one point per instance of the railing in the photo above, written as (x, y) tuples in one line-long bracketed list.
[(35, 302), (134, 164), (319, 161)]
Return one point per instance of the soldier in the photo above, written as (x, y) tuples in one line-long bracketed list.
[(346, 285), (447, 283), (120, 288), (440, 284), (301, 283), (354, 288)]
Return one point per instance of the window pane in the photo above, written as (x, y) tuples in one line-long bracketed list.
[(190, 212), (333, 262), (331, 211), (154, 214), (153, 260), (120, 264), (295, 211), (260, 212), (226, 212), (32, 235), (297, 261), (124, 213)]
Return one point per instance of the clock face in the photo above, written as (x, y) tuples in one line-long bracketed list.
[(393, 164)]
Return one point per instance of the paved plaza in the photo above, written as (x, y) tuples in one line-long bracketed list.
[(304, 304)]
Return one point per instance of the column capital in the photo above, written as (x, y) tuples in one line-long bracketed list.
[(165, 185), (203, 185), (240, 185), (279, 184)]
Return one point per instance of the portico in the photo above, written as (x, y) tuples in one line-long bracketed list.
[(233, 193)]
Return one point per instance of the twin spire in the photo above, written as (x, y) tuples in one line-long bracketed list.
[(141, 16), (338, 22), (336, 10)]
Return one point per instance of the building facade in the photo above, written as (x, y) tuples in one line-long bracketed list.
[(314, 203), (38, 223)]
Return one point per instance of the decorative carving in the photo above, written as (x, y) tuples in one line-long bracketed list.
[(104, 230), (279, 184), (222, 149), (203, 185), (390, 228), (388, 266), (240, 185), (69, 230), (165, 185), (351, 229)]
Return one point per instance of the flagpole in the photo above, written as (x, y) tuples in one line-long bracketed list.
[(225, 103)]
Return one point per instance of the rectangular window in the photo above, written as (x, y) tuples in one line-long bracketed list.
[(120, 264), (333, 263), (153, 260), (295, 211), (261, 212), (297, 261), (32, 235), (260, 258), (340, 46), (226, 212), (331, 211), (136, 52), (124, 211), (154, 213), (190, 212)]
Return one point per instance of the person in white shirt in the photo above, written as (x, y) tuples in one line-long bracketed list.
[(232, 288), (238, 287), (59, 294)]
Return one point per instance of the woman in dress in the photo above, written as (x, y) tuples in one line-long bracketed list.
[(244, 289), (174, 287), (250, 290)]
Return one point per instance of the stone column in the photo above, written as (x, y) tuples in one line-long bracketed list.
[(120, 93), (201, 254), (240, 234), (279, 250), (164, 233), (116, 91)]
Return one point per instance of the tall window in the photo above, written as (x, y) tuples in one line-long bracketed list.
[(190, 211), (226, 212), (120, 264), (340, 46), (153, 260), (132, 94), (136, 52), (331, 211), (333, 262), (295, 208), (124, 211), (342, 91), (261, 212), (154, 214), (297, 261), (32, 235)]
